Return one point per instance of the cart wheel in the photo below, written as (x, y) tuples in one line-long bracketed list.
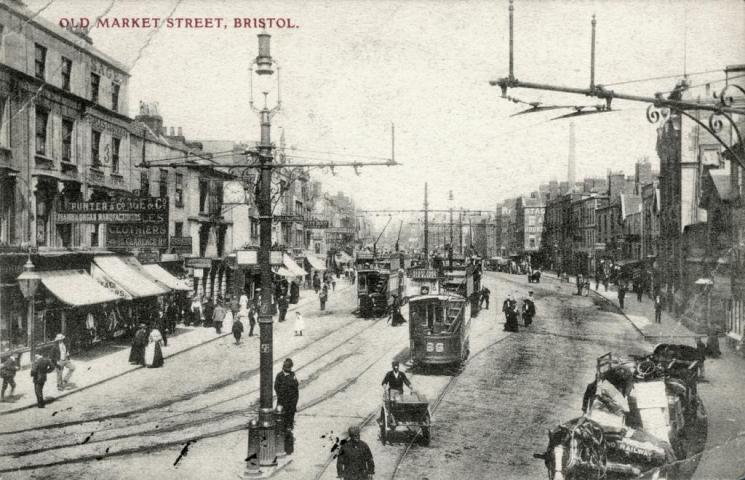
[(383, 426), (425, 431)]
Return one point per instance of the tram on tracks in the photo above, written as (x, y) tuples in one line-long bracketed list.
[(439, 321), (464, 280), (379, 280)]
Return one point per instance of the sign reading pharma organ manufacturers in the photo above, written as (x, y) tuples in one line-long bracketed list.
[(131, 222)]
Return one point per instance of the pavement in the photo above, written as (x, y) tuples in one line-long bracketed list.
[(722, 390), (111, 360)]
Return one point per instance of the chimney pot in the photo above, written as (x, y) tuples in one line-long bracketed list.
[(172, 133), (180, 132)]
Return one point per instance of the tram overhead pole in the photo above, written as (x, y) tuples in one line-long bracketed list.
[(264, 444)]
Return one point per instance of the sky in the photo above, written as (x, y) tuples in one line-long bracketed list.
[(352, 68)]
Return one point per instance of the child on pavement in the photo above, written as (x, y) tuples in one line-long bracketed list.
[(299, 324)]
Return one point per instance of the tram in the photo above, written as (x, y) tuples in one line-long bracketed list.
[(439, 328), (379, 280), (465, 280)]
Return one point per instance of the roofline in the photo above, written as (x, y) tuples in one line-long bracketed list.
[(65, 36)]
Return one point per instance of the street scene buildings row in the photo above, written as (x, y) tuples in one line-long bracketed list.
[(68, 140), (678, 229)]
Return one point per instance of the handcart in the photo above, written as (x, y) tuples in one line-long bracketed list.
[(410, 411)]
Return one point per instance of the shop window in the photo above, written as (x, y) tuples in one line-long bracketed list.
[(94, 236), (40, 60), (204, 188), (178, 230), (95, 149), (144, 183), (115, 147), (14, 327), (115, 96), (42, 117), (4, 122), (95, 85), (221, 239), (67, 130), (163, 183), (179, 193), (7, 201), (204, 235), (66, 71)]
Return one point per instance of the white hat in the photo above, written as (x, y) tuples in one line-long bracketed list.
[(59, 337)]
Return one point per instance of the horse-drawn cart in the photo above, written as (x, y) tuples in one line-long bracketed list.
[(409, 411)]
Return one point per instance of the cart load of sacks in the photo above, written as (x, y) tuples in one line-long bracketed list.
[(642, 415)]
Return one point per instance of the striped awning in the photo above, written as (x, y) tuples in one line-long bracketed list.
[(293, 267), (76, 288), (128, 275), (163, 276), (316, 263)]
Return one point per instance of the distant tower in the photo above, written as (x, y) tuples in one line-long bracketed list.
[(572, 172)]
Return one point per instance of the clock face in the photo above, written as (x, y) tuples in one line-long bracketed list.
[(233, 193)]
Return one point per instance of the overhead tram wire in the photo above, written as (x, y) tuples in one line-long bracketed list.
[(649, 79)]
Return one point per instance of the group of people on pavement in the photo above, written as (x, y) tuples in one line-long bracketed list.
[(512, 314), (147, 346)]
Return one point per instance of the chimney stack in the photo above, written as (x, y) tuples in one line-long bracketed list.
[(180, 132), (173, 134)]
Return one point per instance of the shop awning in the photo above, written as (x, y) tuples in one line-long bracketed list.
[(76, 288), (127, 274), (293, 267), (282, 271), (163, 276), (316, 263), (343, 257)]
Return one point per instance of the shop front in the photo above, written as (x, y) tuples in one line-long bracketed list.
[(128, 279), (68, 301)]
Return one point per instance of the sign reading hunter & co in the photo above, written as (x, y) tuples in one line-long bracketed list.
[(131, 222)]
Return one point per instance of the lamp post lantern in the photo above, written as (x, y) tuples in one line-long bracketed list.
[(262, 436), (28, 281)]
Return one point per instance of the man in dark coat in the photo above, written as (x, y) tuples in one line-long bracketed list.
[(287, 388), (528, 310), (485, 297), (355, 460), (39, 370), (208, 309), (283, 305), (316, 282), (621, 294), (139, 343), (509, 307), (8, 373), (395, 380)]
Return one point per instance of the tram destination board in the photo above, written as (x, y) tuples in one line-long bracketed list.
[(130, 222)]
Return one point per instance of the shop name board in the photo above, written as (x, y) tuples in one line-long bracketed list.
[(130, 210), (180, 244), (315, 223), (148, 257), (287, 218), (251, 257), (198, 262), (132, 223)]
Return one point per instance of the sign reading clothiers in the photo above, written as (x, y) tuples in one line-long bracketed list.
[(131, 222)]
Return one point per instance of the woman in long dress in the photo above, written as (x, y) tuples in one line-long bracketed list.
[(153, 352)]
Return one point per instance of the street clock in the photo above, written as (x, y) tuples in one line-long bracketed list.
[(233, 193)]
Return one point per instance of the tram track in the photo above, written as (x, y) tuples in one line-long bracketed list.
[(221, 424), (171, 401), (433, 407)]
